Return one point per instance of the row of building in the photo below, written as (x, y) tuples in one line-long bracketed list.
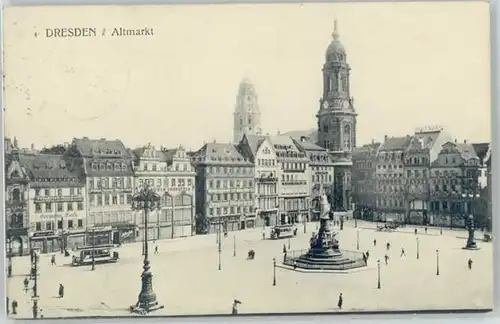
[(427, 177), (54, 199)]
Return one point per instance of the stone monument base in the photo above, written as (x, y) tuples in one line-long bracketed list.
[(326, 260)]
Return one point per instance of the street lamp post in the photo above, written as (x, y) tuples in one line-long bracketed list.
[(62, 235), (378, 272), (93, 248), (274, 271), (357, 240), (437, 262), (418, 249), (34, 297), (234, 245), (219, 248), (288, 244), (9, 266), (146, 200)]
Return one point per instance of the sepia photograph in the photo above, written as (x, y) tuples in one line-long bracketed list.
[(236, 159)]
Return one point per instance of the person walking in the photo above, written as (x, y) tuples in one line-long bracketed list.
[(53, 260), (26, 283), (403, 252), (156, 249), (340, 302), (374, 242), (469, 264), (388, 246), (386, 258), (416, 231)]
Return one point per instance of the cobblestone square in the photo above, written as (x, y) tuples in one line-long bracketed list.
[(187, 281)]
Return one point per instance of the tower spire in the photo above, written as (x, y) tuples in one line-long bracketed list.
[(335, 33)]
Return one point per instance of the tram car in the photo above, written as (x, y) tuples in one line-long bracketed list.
[(283, 231), (97, 254)]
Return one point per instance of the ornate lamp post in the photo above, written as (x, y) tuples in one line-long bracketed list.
[(234, 245), (146, 200), (93, 248), (288, 244), (9, 266), (437, 262), (357, 240), (378, 272), (418, 249), (34, 270), (274, 271), (219, 248), (62, 235), (471, 242)]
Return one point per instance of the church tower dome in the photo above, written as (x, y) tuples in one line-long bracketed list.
[(335, 51)]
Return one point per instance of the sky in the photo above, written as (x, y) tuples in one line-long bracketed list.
[(413, 64)]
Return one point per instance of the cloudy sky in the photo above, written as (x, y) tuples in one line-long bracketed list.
[(413, 64)]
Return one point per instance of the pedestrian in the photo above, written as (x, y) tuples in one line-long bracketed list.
[(388, 246), (367, 255), (284, 248), (425, 230), (386, 257), (14, 307), (235, 307), (8, 306), (53, 259), (263, 235), (341, 301), (403, 252), (374, 242), (61, 291), (469, 263), (26, 282), (415, 231)]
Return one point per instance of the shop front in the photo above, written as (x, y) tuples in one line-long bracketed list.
[(123, 233), (74, 238), (227, 223), (16, 241), (45, 241), (99, 236)]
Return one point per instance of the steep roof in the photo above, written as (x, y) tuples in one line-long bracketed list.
[(100, 147), (48, 166), (220, 153), (395, 143), (308, 145), (467, 151), (481, 150), (312, 134)]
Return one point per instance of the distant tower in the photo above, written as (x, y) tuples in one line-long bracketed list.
[(246, 112), (337, 119)]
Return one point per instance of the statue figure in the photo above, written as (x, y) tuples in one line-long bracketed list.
[(324, 239)]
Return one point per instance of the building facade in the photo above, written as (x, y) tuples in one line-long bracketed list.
[(224, 188), (259, 150), (170, 173), (293, 177), (422, 150), (364, 162), (337, 120), (107, 167), (389, 178), (453, 184), (247, 112), (17, 184), (56, 203), (320, 174)]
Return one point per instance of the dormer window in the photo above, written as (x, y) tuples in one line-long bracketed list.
[(124, 166), (102, 166), (117, 166), (94, 166), (109, 166)]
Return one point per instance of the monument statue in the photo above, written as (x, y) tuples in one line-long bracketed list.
[(471, 241), (325, 239)]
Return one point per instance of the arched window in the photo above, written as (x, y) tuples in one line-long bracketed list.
[(16, 195), (347, 137)]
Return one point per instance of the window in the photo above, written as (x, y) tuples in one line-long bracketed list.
[(80, 223), (173, 182), (154, 167), (106, 199), (99, 200), (122, 199), (59, 192), (98, 184), (70, 223), (48, 207), (38, 226), (59, 224), (114, 200), (47, 192), (70, 206), (38, 208), (37, 192), (79, 206), (48, 226), (59, 207), (71, 191)]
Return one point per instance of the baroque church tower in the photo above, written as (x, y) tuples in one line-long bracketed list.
[(337, 119), (246, 112)]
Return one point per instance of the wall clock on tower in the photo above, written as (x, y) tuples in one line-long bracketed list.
[(345, 105), (325, 105)]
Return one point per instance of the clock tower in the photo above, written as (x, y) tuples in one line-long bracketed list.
[(337, 119), (246, 113)]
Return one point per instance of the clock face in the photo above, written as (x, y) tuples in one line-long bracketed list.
[(346, 105), (325, 104)]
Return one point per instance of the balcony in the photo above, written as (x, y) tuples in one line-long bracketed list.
[(110, 190), (267, 179), (294, 182)]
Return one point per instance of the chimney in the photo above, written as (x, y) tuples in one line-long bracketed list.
[(373, 141), (385, 137), (278, 132), (455, 141), (32, 147)]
